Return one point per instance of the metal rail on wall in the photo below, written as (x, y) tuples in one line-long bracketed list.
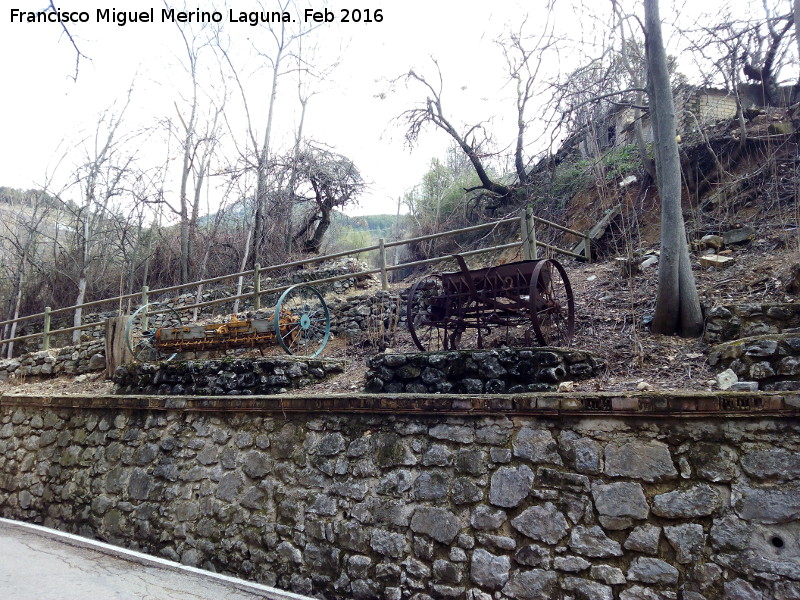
[(528, 244)]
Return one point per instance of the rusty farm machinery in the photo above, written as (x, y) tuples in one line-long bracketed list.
[(514, 303), (465, 308), (300, 324)]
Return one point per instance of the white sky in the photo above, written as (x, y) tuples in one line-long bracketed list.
[(45, 112)]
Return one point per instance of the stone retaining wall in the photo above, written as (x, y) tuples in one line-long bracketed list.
[(225, 377), (772, 361), (725, 323), (358, 506), (370, 317), (70, 360), (512, 370)]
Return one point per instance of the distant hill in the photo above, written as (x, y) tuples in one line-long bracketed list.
[(378, 226)]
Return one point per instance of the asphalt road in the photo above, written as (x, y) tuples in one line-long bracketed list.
[(37, 563)]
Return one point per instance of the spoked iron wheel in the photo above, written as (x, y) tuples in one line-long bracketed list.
[(302, 321), (141, 332), (425, 315), (552, 304)]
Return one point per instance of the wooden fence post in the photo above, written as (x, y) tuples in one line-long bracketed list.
[(257, 287), (117, 351), (530, 233), (46, 332), (523, 228), (145, 293), (382, 264)]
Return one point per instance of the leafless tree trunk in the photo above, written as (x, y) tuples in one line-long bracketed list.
[(101, 179), (259, 156), (636, 76), (330, 181), (796, 12), (197, 146), (677, 303), (242, 267)]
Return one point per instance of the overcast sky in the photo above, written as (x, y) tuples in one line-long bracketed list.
[(45, 112)]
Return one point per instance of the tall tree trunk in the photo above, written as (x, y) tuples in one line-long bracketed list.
[(186, 169), (241, 278), (638, 99), (796, 12), (77, 319), (638, 135), (260, 233), (17, 305), (315, 243), (293, 174), (185, 249), (677, 303), (202, 275)]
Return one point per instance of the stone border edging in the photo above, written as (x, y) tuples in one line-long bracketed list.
[(643, 404), (479, 371)]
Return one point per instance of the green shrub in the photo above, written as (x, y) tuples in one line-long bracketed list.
[(621, 162)]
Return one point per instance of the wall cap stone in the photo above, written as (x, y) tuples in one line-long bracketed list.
[(648, 404)]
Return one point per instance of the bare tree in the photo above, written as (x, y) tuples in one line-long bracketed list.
[(21, 233), (525, 55), (754, 46), (594, 103), (632, 58), (258, 154), (326, 181), (718, 51), (524, 60), (66, 30), (310, 71), (99, 179), (761, 62), (677, 303), (432, 111), (198, 138)]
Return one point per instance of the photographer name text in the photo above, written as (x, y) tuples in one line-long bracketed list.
[(171, 15)]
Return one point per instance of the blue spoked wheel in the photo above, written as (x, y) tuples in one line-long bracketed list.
[(302, 321)]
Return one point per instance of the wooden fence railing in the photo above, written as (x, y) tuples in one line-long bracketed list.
[(529, 245)]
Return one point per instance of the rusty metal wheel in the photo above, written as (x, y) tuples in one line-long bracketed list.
[(426, 315), (552, 304)]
